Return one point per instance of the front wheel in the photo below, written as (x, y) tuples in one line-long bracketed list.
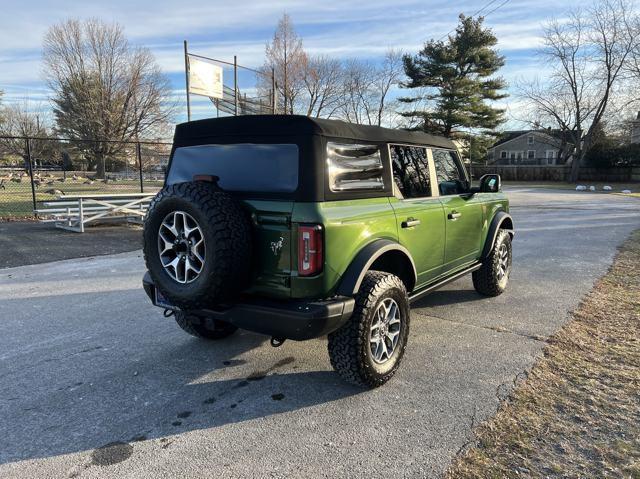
[(368, 348), (197, 327), (493, 276)]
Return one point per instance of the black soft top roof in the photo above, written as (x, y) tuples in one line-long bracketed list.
[(262, 126)]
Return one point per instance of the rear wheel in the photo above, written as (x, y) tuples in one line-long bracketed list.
[(493, 276), (367, 350), (200, 328)]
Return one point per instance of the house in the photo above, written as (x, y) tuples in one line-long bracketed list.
[(531, 147), (635, 130)]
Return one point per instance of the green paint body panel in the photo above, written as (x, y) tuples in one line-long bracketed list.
[(439, 245)]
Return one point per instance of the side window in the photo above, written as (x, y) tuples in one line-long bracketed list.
[(411, 170), (354, 167), (451, 177)]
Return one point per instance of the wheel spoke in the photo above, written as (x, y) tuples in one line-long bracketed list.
[(167, 245), (391, 312), (377, 353), (385, 351), (393, 337), (171, 227)]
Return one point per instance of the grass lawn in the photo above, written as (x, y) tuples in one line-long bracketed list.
[(16, 201), (578, 412)]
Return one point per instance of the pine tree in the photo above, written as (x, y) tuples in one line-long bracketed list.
[(456, 78)]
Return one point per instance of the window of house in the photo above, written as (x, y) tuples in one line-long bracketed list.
[(410, 170), (512, 155), (519, 155), (530, 140), (449, 171), (531, 154), (503, 155)]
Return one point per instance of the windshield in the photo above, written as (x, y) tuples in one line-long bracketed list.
[(269, 168)]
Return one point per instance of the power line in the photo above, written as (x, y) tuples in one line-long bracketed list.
[(478, 12)]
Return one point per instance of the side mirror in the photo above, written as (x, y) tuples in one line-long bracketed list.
[(490, 183)]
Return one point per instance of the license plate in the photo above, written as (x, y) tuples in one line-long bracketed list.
[(162, 301)]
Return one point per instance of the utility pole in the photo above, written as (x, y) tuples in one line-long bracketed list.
[(235, 84)]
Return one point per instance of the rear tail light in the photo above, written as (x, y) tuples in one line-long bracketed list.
[(309, 250)]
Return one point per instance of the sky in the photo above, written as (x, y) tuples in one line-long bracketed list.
[(339, 28)]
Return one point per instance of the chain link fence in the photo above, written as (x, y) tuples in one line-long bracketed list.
[(35, 170)]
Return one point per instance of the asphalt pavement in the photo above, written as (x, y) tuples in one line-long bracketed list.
[(94, 382), (31, 242)]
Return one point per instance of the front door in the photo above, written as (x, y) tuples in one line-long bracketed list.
[(463, 211), (420, 215)]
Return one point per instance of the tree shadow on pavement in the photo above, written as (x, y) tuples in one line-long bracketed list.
[(445, 297), (151, 381)]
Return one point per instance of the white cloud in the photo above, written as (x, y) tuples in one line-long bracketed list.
[(357, 28)]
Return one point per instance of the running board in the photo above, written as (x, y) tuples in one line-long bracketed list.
[(439, 284)]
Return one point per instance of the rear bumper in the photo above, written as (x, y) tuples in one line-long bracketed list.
[(293, 319)]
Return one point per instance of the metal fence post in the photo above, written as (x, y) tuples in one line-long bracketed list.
[(273, 90), (33, 184), (139, 155), (235, 84)]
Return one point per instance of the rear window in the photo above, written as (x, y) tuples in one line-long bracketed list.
[(268, 168)]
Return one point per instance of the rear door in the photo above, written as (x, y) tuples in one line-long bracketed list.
[(463, 210), (419, 214)]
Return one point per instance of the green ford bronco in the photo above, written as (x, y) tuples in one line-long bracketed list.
[(298, 228)]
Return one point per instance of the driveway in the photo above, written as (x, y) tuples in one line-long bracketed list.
[(94, 382)]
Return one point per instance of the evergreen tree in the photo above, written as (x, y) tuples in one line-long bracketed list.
[(456, 81)]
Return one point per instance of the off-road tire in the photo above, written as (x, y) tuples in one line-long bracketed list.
[(349, 348), (486, 280), (198, 328), (227, 231)]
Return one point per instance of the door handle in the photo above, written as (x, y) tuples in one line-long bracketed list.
[(410, 222), (454, 215)]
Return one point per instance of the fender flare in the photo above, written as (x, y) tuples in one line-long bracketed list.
[(496, 224), (354, 274)]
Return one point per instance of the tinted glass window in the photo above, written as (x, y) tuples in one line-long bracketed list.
[(451, 177), (354, 167), (411, 170), (241, 167)]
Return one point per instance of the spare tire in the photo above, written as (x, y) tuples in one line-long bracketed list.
[(197, 245)]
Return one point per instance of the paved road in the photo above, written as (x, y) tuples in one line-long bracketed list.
[(30, 242), (95, 383)]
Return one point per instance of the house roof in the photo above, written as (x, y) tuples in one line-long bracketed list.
[(512, 135)]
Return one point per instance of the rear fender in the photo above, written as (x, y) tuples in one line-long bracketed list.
[(365, 259)]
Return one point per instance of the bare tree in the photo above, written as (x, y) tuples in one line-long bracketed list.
[(104, 89), (388, 75), (323, 86), (367, 86), (587, 54), (359, 102), (19, 123), (286, 57)]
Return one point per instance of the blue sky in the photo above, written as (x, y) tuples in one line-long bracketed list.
[(362, 28)]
